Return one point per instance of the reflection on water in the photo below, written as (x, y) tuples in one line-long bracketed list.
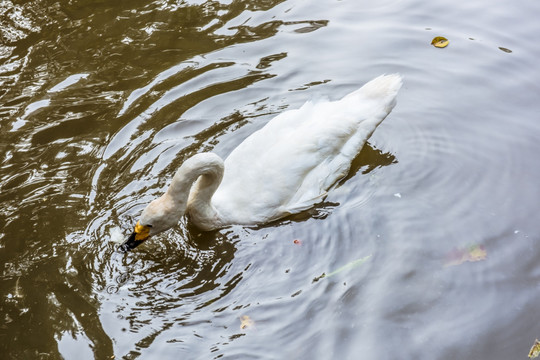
[(101, 101)]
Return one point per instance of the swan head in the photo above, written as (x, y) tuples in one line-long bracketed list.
[(160, 215), (140, 234), (194, 183)]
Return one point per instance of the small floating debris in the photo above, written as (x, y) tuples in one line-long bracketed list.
[(398, 195), (471, 254), (440, 42), (246, 322), (350, 265), (297, 242), (535, 350), (505, 49)]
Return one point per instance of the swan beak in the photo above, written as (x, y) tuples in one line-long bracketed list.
[(140, 234)]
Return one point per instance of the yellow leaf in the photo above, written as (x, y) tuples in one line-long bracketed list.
[(535, 350), (246, 322), (477, 253), (440, 42)]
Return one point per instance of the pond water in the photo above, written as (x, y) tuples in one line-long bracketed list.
[(430, 247)]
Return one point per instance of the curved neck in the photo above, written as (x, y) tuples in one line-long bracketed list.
[(199, 177)]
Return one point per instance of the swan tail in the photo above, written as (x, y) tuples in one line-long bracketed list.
[(384, 86)]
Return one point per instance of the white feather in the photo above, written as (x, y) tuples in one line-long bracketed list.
[(281, 169)]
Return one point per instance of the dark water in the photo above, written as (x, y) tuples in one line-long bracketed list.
[(100, 102)]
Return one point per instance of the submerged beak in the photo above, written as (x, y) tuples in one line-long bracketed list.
[(140, 234), (130, 243)]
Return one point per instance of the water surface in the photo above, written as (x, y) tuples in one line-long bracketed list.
[(429, 247)]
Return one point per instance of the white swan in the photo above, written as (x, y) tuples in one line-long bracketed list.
[(281, 169)]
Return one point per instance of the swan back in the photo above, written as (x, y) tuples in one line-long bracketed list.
[(293, 161)]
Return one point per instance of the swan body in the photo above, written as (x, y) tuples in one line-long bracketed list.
[(284, 168)]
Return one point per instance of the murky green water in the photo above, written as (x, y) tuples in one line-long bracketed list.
[(100, 102)]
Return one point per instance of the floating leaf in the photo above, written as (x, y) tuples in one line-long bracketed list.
[(535, 350), (477, 253), (440, 42), (472, 253), (246, 322), (505, 49)]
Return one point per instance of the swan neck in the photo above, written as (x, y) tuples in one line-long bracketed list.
[(195, 183)]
